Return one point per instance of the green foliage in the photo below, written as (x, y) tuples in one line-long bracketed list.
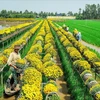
[(90, 12), (1, 91), (27, 14)]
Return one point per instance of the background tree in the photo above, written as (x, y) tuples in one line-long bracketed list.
[(98, 11), (90, 12), (70, 13)]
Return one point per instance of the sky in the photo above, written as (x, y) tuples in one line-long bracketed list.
[(60, 6)]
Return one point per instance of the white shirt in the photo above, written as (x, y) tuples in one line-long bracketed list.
[(67, 28), (13, 58)]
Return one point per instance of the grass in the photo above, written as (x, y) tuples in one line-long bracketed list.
[(90, 29)]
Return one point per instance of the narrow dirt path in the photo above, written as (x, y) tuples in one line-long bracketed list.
[(63, 91), (91, 46), (62, 85)]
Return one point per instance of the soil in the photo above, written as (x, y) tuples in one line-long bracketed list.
[(63, 91), (62, 85)]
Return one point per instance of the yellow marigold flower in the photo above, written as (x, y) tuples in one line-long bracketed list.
[(94, 89), (82, 65), (97, 96), (38, 38), (31, 92), (70, 49), (7, 52), (75, 32), (67, 43), (59, 34), (33, 55), (50, 88), (53, 71), (48, 63), (63, 38), (52, 51), (91, 56), (97, 64), (37, 63), (21, 61), (47, 57), (47, 46), (75, 55), (3, 60), (32, 76), (36, 48)]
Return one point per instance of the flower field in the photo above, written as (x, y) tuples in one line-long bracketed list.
[(42, 43)]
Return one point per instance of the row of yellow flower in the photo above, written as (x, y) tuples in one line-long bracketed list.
[(31, 89), (3, 60), (82, 65), (49, 59), (34, 56), (51, 70), (73, 52), (11, 29), (50, 87), (85, 70), (17, 19), (89, 55)]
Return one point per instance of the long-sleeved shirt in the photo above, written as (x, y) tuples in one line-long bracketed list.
[(13, 58)]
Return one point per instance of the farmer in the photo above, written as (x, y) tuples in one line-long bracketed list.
[(13, 68), (78, 36), (64, 26), (67, 28)]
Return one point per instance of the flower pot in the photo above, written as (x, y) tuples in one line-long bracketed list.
[(86, 76), (90, 84)]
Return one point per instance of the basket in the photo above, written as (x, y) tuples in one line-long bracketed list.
[(21, 66), (49, 96), (86, 76), (90, 84)]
